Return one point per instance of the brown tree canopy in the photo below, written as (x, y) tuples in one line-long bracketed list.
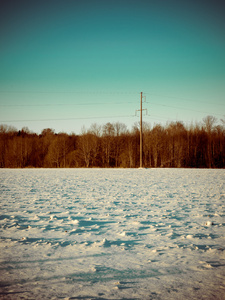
[(113, 145)]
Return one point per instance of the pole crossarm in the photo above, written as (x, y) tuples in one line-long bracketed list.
[(144, 109)]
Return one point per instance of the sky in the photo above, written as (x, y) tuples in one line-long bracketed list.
[(69, 64)]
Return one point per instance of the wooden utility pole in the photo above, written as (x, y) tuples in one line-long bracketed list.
[(141, 139)]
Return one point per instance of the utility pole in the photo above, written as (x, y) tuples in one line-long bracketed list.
[(141, 137)]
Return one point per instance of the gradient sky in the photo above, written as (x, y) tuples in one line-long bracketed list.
[(65, 64)]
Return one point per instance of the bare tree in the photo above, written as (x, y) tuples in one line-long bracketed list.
[(95, 129), (55, 153), (108, 143), (88, 145), (120, 132), (209, 121), (112, 145)]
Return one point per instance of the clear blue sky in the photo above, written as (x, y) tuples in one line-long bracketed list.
[(65, 64)]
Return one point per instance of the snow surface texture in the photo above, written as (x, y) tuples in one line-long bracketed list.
[(112, 234)]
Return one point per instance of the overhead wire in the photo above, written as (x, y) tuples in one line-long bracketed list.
[(185, 99), (65, 104), (102, 103), (70, 92), (68, 119), (93, 104), (104, 93), (182, 108)]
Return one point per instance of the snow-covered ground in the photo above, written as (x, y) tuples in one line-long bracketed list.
[(112, 234)]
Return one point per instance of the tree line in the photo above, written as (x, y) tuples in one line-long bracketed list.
[(112, 145)]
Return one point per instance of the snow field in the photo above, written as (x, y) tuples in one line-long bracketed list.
[(112, 234)]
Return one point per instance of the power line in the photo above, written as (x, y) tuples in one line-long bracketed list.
[(65, 104), (101, 103), (95, 104), (182, 108), (70, 92), (67, 119), (171, 119), (106, 93), (185, 99)]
